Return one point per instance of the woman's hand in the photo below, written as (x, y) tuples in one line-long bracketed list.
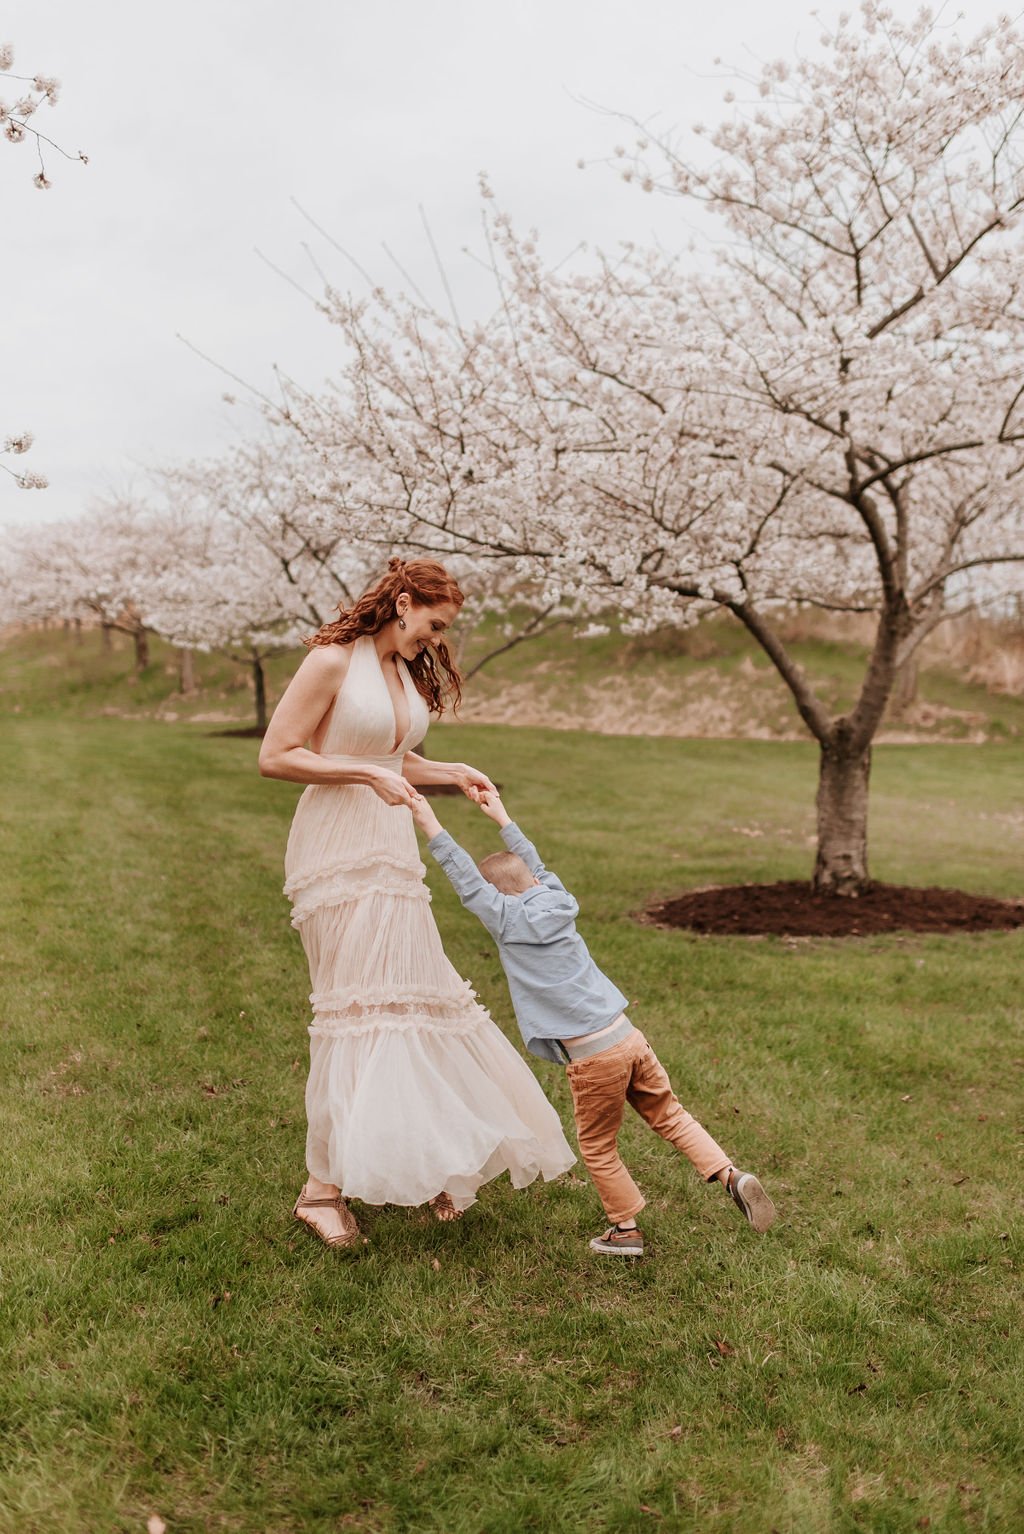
[(391, 787), (472, 782)]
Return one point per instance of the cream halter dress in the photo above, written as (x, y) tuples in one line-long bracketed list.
[(412, 1088)]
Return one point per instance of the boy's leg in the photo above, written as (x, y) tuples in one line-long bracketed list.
[(650, 1093), (598, 1085)]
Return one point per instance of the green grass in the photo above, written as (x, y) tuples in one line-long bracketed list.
[(175, 1345)]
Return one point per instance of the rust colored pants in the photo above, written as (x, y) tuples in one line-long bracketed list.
[(601, 1086)]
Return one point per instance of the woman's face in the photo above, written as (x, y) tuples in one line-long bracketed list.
[(424, 626)]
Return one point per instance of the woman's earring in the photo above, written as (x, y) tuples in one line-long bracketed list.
[(401, 623)]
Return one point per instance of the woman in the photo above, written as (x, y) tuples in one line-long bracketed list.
[(414, 1096)]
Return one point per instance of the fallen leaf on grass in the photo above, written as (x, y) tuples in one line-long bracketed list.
[(155, 1524), (220, 1299), (725, 1348), (435, 1264)]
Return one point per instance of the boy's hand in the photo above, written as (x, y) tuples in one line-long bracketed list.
[(424, 817), (493, 808)]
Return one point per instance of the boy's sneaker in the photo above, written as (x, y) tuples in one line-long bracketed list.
[(751, 1199), (617, 1242)]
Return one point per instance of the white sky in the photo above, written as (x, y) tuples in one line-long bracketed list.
[(203, 119)]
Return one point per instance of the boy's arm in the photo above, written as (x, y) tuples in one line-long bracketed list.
[(516, 841), (485, 902)]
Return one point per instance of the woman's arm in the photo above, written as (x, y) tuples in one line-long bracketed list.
[(308, 698), (421, 771)]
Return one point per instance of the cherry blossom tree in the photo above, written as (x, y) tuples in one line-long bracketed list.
[(832, 417), (176, 567), (265, 490), (265, 574), (238, 608), (17, 128), (25, 479), (15, 117), (99, 566)]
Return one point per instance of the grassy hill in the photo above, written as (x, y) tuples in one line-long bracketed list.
[(712, 682)]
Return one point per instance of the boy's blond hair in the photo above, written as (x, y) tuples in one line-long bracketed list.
[(507, 872)]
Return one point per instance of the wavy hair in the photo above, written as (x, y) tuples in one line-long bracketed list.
[(428, 584)]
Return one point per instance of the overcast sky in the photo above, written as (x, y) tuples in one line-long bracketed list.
[(204, 119)]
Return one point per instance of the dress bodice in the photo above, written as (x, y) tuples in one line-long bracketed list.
[(363, 719)]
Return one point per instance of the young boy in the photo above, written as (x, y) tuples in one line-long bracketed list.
[(567, 1010)]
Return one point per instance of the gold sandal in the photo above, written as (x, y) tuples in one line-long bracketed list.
[(350, 1230), (444, 1209)]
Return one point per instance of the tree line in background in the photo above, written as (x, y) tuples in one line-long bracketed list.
[(831, 417)]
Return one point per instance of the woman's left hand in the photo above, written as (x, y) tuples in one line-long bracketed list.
[(472, 782)]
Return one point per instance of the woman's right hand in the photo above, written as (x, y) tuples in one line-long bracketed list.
[(392, 787)]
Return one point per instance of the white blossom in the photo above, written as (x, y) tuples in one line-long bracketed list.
[(47, 86)]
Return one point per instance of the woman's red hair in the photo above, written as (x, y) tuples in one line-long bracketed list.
[(428, 584)]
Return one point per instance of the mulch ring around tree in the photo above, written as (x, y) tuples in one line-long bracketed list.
[(792, 909)]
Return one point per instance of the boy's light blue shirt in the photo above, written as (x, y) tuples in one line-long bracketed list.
[(557, 990)]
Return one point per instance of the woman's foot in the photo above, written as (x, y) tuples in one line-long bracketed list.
[(444, 1209), (327, 1215)]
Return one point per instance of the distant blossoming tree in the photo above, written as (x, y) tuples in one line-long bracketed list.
[(833, 417), (266, 574), (178, 565), (237, 608), (99, 566)]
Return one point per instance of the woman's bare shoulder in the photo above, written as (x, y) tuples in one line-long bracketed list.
[(326, 664)]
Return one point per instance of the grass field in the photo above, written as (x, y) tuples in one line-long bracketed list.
[(174, 1345)]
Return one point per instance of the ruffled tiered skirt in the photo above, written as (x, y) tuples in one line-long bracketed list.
[(412, 1088)]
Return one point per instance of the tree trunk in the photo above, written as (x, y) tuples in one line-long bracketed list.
[(108, 636), (260, 689), (841, 866), (141, 639), (904, 688), (186, 672), (78, 631)]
